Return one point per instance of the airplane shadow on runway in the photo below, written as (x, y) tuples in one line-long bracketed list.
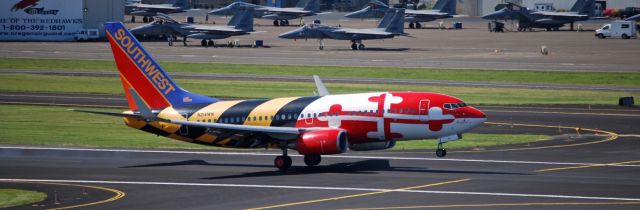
[(360, 167), (196, 163)]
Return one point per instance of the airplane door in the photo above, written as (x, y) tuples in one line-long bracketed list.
[(184, 130), (308, 120), (423, 109)]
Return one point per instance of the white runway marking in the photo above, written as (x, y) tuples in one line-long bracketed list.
[(326, 156), (323, 188)]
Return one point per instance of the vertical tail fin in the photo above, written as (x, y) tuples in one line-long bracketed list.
[(181, 4), (446, 6), (243, 19), (386, 19), (140, 72), (309, 5), (584, 7), (396, 24)]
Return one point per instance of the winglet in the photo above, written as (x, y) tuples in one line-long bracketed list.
[(322, 90), (144, 110)]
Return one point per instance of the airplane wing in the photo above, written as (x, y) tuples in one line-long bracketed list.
[(286, 10), (362, 31), (208, 29), (559, 14), (152, 6), (424, 12), (250, 128)]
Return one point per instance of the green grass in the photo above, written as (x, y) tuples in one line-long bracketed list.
[(265, 89), (16, 197), (585, 78), (472, 140), (50, 125)]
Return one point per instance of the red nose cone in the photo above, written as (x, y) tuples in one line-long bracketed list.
[(475, 113)]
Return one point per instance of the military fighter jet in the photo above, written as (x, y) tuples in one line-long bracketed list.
[(240, 24), (581, 10), (150, 10), (376, 9), (280, 16), (390, 26)]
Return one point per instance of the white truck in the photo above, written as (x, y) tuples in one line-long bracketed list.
[(620, 28), (87, 34)]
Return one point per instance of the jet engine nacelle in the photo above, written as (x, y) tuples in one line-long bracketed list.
[(322, 142), (372, 146)]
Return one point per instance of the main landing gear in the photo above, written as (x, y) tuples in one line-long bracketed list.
[(415, 25), (283, 162), (206, 43), (280, 22), (357, 45), (441, 151)]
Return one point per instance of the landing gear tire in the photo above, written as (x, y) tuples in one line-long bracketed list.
[(150, 19), (441, 152), (411, 25), (283, 162), (286, 22), (133, 18), (145, 19), (418, 26), (312, 160), (203, 43), (601, 36), (210, 43), (354, 46), (360, 46), (276, 23), (283, 23)]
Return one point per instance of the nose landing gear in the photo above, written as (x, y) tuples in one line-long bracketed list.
[(441, 151)]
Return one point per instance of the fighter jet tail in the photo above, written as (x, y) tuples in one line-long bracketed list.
[(448, 6), (584, 7), (309, 5), (396, 23), (181, 4), (243, 19)]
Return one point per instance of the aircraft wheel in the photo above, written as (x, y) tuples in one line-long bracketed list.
[(133, 18), (361, 47), (282, 162), (170, 43), (548, 28), (354, 46), (150, 19), (601, 36), (286, 22), (625, 36), (312, 160), (321, 47), (556, 28), (275, 23), (411, 25), (282, 23), (441, 152), (418, 25), (210, 43), (203, 43), (145, 19)]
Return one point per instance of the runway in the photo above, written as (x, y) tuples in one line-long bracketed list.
[(569, 172), (470, 48)]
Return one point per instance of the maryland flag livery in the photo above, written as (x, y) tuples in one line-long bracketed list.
[(312, 125)]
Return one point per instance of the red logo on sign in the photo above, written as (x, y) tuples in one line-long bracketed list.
[(24, 4)]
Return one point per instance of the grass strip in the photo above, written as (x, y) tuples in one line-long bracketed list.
[(269, 89), (17, 197), (516, 76), (56, 126)]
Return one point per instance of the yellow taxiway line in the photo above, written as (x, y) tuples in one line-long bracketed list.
[(358, 195), (118, 194), (588, 166), (499, 205)]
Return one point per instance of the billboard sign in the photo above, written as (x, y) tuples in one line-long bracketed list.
[(40, 20)]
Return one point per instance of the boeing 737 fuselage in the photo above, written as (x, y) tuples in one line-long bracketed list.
[(313, 125)]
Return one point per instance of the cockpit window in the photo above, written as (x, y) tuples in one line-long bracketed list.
[(454, 106)]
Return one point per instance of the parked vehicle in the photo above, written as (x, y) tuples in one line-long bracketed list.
[(620, 29), (87, 34)]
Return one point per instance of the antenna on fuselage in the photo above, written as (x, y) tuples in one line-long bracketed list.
[(322, 90)]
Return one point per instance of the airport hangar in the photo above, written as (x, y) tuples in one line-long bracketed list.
[(57, 20)]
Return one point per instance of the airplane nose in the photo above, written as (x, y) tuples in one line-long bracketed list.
[(472, 112)]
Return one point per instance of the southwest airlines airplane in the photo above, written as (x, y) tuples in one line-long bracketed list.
[(312, 125)]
